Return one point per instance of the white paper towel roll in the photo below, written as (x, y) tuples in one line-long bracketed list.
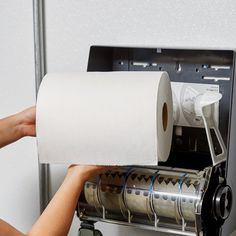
[(105, 118)]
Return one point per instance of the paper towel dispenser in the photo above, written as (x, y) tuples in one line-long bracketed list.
[(191, 193)]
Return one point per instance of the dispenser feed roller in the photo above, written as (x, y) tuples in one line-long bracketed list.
[(159, 199)]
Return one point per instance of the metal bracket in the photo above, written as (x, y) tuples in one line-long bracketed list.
[(204, 107)]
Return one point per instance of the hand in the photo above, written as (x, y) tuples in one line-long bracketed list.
[(27, 122), (17, 126), (85, 172), (62, 207)]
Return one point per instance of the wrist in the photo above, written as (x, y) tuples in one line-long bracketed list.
[(13, 125), (9, 130)]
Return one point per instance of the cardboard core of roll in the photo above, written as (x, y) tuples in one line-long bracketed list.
[(164, 116)]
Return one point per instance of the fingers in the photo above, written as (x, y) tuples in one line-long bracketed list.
[(86, 171), (29, 115), (88, 168), (26, 122), (29, 130)]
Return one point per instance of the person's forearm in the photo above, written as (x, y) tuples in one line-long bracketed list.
[(9, 130), (57, 217), (8, 230)]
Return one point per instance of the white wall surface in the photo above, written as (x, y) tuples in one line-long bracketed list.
[(19, 195), (73, 26)]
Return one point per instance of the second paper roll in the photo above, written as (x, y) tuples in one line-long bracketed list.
[(105, 118)]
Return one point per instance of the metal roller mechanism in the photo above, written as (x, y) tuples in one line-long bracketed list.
[(158, 199)]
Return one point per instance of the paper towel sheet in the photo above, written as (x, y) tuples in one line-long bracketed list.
[(104, 118)]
